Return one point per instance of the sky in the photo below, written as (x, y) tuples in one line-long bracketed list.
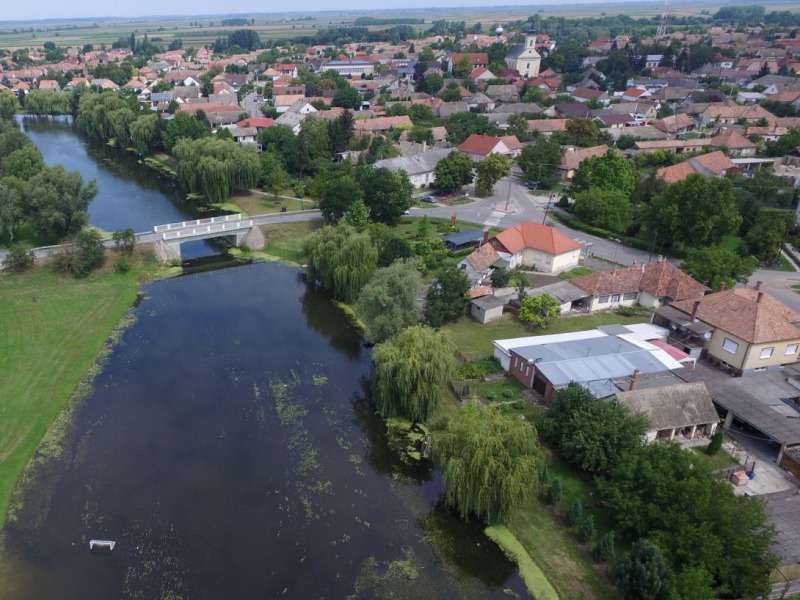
[(58, 9)]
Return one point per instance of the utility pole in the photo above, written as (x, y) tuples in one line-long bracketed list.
[(662, 26)]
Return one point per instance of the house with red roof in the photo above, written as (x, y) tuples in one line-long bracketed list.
[(478, 146), (713, 164), (542, 247)]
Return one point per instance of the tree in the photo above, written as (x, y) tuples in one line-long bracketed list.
[(410, 370), (574, 513), (433, 83), (588, 531), (765, 238), (453, 172), (341, 259), (715, 265), (536, 310), (642, 574), (387, 194), (358, 215), (589, 433), (23, 163), (696, 212), (125, 239), (555, 492), (608, 209), (582, 132), (604, 550), (183, 126), (447, 298), (388, 303), (490, 463), (610, 171), (277, 180), (539, 162), (347, 97), (91, 252), (451, 93), (144, 133), (8, 105), (338, 197), (19, 258), (58, 202), (491, 170), (340, 132), (393, 248), (463, 67)]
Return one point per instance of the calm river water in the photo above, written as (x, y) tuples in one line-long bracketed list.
[(131, 194), (230, 452)]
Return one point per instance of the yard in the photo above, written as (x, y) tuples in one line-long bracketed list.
[(473, 339), (255, 202), (286, 240)]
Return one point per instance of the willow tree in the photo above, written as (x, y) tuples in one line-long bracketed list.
[(410, 370), (341, 259), (144, 132), (94, 114), (491, 464), (213, 167), (388, 303)]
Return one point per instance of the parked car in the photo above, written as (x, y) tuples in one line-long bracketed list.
[(429, 199), (534, 185)]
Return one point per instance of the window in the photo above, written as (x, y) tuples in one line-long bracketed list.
[(630, 296), (791, 349), (730, 346), (602, 299), (615, 298), (766, 352)]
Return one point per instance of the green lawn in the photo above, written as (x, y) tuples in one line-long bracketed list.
[(721, 460), (474, 339), (51, 329), (286, 240)]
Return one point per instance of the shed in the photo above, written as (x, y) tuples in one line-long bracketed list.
[(680, 409), (486, 309), (463, 239)]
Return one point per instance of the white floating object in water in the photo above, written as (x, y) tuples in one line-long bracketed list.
[(102, 546)]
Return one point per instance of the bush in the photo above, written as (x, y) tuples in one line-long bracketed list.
[(716, 443), (545, 476), (491, 396), (588, 530), (519, 404), (508, 393), (91, 251), (633, 311), (575, 513), (477, 369), (505, 408), (122, 265), (19, 258)]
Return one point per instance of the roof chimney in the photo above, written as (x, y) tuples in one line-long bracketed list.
[(721, 286), (758, 285), (694, 309), (635, 377), (485, 236), (760, 295)]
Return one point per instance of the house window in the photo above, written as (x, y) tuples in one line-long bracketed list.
[(791, 349), (630, 296), (602, 299), (766, 352), (730, 346), (615, 298)]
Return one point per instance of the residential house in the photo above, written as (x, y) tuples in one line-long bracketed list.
[(672, 146), (503, 93), (476, 60), (478, 146), (573, 157), (542, 247), (383, 124), (679, 410), (635, 94), (547, 127), (585, 94), (649, 284), (349, 68), (482, 74), (713, 164), (478, 265), (282, 102), (744, 329), (730, 115), (420, 168), (736, 144), (675, 124)]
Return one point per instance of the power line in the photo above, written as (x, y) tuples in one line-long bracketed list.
[(662, 26)]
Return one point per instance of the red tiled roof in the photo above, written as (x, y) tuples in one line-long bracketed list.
[(258, 123), (660, 279), (739, 312), (536, 237), (480, 145)]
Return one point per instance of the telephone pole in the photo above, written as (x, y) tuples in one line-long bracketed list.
[(662, 26)]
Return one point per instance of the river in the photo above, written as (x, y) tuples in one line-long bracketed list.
[(131, 194), (230, 451)]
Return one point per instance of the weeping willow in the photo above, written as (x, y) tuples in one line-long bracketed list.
[(47, 102), (341, 259), (410, 370), (143, 132), (213, 167), (490, 463), (94, 114)]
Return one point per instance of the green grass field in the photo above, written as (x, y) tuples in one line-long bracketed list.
[(51, 329), (474, 339)]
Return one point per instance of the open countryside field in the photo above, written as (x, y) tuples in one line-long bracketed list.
[(199, 31)]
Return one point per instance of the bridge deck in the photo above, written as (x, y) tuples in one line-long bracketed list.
[(207, 230), (197, 222)]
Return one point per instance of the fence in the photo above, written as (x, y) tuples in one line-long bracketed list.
[(727, 474), (784, 590)]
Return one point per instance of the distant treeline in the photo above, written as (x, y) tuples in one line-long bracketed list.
[(237, 22), (367, 21)]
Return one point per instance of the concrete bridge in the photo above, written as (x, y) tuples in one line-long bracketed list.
[(232, 227)]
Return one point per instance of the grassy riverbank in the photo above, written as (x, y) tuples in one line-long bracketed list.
[(51, 329)]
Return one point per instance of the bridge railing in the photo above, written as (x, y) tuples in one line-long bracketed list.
[(220, 228), (197, 222)]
